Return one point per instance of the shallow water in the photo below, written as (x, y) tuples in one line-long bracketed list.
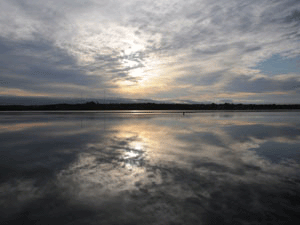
[(150, 168)]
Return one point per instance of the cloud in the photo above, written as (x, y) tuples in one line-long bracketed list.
[(131, 47), (199, 79), (264, 84)]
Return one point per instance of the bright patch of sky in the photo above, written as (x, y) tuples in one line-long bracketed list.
[(277, 65)]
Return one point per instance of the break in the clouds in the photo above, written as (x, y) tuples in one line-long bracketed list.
[(240, 51)]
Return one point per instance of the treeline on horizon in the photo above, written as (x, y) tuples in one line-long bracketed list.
[(149, 106)]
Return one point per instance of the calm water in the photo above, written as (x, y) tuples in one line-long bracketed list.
[(150, 168)]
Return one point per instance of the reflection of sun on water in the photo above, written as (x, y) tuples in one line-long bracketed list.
[(134, 156)]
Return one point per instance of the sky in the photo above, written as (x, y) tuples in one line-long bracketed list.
[(166, 51)]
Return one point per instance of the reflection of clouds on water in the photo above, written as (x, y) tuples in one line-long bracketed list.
[(16, 194), (244, 133), (199, 169), (106, 169), (20, 127)]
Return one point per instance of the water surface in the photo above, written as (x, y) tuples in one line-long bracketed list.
[(149, 168)]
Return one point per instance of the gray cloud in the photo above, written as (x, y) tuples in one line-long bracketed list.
[(263, 84), (206, 79)]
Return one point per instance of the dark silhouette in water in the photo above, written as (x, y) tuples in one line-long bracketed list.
[(149, 106)]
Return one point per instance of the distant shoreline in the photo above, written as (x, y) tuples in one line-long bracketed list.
[(151, 106)]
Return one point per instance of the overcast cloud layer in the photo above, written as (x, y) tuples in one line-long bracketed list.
[(162, 50)]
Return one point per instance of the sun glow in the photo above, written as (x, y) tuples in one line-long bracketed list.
[(129, 63), (147, 74)]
